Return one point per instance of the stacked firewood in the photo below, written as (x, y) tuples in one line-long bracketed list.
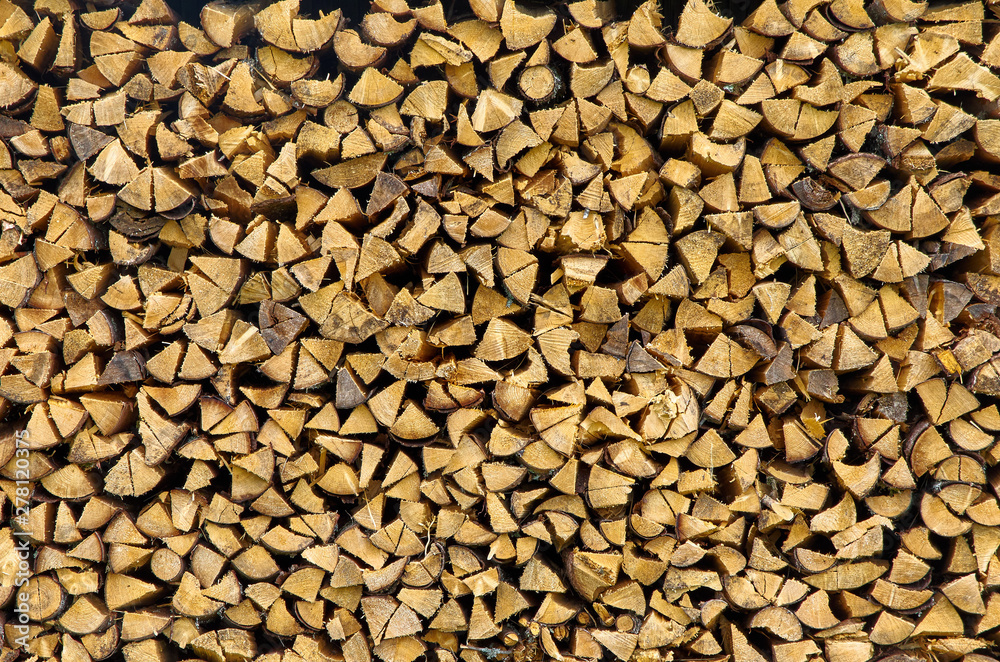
[(498, 331)]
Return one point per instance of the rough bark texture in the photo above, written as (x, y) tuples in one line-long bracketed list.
[(500, 331)]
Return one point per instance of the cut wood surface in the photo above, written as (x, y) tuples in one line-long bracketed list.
[(500, 330)]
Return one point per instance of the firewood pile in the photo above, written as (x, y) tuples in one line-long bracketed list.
[(500, 331)]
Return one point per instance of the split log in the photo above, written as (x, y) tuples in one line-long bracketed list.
[(501, 330)]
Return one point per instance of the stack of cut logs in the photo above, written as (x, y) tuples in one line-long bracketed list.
[(505, 330)]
